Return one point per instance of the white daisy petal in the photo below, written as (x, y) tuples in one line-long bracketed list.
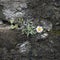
[(39, 29)]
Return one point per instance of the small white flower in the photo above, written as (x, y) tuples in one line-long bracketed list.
[(39, 29)]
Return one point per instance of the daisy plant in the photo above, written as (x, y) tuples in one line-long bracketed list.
[(29, 29)]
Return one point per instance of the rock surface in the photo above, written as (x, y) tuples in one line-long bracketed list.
[(47, 48)]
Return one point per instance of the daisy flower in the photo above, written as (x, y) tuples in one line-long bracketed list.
[(39, 29)]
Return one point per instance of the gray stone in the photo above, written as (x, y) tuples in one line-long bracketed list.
[(24, 48), (46, 25), (13, 9), (44, 35), (1, 22), (23, 5)]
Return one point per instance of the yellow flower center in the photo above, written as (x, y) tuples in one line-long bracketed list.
[(39, 29)]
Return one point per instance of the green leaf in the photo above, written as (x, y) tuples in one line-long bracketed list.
[(11, 21), (14, 26), (20, 20)]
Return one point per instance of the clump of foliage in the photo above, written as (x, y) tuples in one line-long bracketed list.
[(29, 28), (12, 25), (15, 24)]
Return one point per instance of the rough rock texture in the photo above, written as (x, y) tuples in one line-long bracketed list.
[(13, 9), (12, 41)]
